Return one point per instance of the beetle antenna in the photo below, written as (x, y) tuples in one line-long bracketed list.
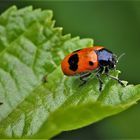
[(120, 56)]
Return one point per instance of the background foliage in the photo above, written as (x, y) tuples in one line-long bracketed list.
[(116, 26)]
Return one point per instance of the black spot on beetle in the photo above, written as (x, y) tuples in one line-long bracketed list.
[(77, 51), (91, 63), (73, 62)]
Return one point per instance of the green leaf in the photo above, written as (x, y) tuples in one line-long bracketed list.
[(69, 109), (32, 108), (13, 23)]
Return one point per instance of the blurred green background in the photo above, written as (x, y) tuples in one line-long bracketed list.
[(115, 25)]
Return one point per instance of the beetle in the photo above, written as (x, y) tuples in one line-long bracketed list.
[(84, 61)]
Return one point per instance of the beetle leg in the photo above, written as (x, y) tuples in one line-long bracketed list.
[(115, 78), (82, 78), (112, 77), (100, 70), (100, 82), (106, 70)]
